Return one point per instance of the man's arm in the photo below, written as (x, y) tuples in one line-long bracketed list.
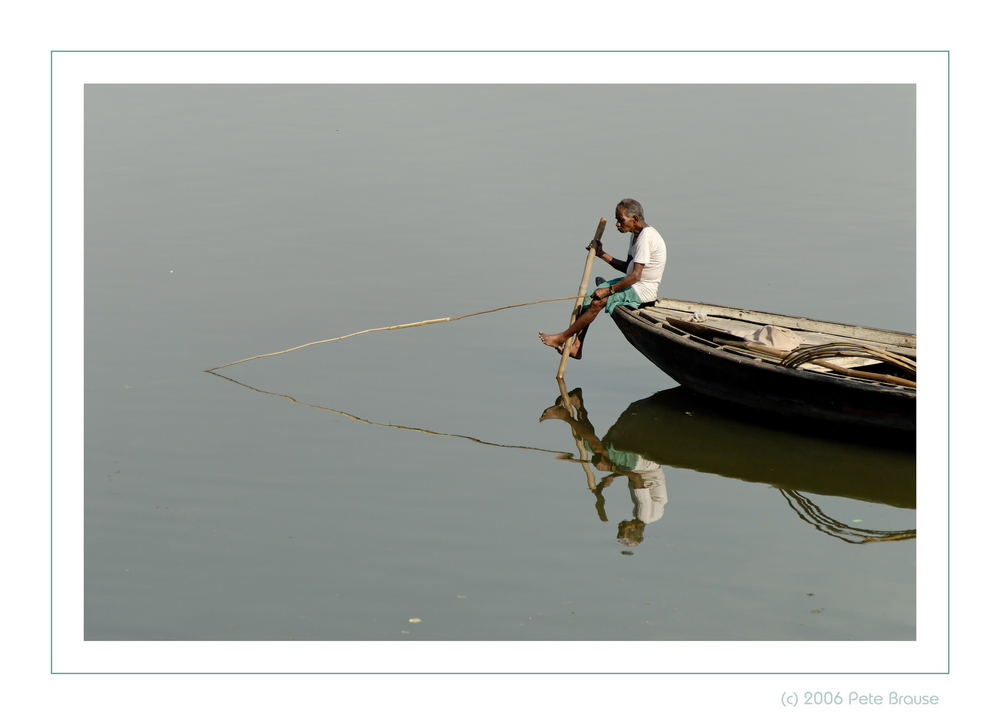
[(630, 279), (619, 264)]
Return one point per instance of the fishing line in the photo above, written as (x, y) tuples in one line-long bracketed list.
[(561, 455), (393, 327)]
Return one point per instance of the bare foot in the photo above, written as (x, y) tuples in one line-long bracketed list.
[(575, 400), (555, 341), (554, 412)]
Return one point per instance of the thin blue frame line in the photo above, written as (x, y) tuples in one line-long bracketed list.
[(948, 364), (51, 369), (487, 672), (52, 53), (460, 50)]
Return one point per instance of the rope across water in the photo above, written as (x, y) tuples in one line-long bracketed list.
[(391, 327)]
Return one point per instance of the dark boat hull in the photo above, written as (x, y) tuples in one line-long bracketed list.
[(765, 386), (682, 429)]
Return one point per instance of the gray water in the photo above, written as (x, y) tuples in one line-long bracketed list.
[(228, 221)]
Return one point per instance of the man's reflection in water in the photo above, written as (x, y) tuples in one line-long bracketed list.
[(647, 484)]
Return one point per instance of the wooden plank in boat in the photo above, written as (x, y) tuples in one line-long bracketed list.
[(857, 332), (722, 334), (812, 332)]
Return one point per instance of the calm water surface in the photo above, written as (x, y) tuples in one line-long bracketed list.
[(340, 491)]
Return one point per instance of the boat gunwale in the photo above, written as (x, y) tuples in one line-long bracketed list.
[(905, 341)]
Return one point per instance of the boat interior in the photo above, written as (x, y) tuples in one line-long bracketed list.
[(882, 356)]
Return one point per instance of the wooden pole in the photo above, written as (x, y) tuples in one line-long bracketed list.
[(579, 297), (781, 355), (389, 327), (584, 458)]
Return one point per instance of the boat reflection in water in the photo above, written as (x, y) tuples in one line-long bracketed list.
[(680, 429), (683, 430)]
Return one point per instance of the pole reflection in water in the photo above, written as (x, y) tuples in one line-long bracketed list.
[(680, 429), (647, 483)]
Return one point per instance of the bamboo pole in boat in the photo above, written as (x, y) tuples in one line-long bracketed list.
[(780, 354), (579, 297), (880, 377)]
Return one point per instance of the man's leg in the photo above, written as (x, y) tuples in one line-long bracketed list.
[(577, 351), (578, 328)]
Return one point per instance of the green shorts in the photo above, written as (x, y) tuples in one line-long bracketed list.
[(620, 460), (627, 297)]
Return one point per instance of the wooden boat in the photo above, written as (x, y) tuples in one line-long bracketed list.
[(822, 371)]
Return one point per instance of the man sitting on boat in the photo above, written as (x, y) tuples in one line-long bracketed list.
[(643, 268)]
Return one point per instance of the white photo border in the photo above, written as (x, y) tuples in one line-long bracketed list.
[(928, 70)]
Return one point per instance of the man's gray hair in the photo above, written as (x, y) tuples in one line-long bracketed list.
[(632, 208)]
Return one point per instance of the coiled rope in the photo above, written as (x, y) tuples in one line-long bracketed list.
[(846, 349)]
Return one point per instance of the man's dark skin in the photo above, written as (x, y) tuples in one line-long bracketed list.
[(626, 225), (629, 532)]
